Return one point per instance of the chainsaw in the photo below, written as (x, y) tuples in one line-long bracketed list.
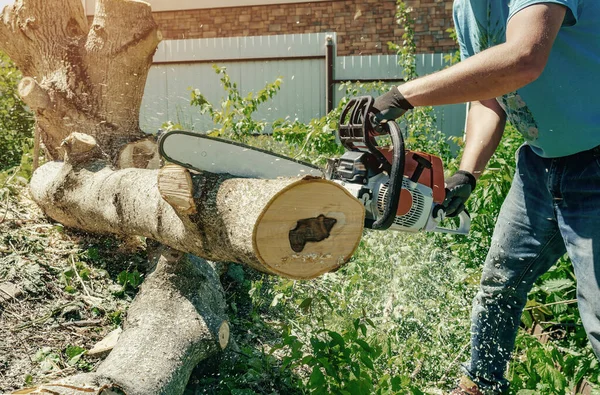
[(400, 189)]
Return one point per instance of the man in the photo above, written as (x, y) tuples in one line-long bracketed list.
[(535, 63)]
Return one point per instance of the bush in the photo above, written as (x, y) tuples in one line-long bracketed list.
[(16, 122)]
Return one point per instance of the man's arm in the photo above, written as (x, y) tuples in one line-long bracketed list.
[(498, 70), (485, 126)]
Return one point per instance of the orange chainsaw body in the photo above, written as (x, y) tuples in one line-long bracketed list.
[(432, 178)]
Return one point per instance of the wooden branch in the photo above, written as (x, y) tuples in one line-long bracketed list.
[(141, 154), (239, 220), (34, 95), (80, 148)]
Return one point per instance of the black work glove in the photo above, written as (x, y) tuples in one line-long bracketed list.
[(458, 190), (390, 106)]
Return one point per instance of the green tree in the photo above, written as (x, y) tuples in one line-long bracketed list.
[(16, 122)]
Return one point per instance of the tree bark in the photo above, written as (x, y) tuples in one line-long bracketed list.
[(82, 79)]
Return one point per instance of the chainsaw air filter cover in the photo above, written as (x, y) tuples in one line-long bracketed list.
[(415, 205)]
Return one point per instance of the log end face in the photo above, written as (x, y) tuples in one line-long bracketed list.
[(33, 94), (310, 228), (141, 154), (223, 335)]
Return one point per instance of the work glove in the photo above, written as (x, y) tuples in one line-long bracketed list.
[(458, 190), (390, 106)]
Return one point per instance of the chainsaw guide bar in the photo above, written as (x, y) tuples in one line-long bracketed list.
[(203, 153)]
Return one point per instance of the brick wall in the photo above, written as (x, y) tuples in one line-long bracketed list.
[(363, 26)]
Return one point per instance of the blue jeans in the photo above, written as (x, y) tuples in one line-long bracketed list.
[(553, 207)]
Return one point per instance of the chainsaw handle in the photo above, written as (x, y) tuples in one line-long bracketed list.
[(463, 227), (396, 175)]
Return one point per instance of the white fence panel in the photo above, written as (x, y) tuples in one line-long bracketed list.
[(384, 66), (450, 119), (252, 62), (168, 91)]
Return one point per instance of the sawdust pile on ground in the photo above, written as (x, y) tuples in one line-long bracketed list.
[(60, 293)]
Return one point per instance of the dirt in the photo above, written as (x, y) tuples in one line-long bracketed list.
[(61, 292)]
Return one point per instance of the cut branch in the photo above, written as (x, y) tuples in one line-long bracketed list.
[(141, 154), (34, 95)]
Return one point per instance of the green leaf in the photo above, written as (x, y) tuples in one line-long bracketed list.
[(337, 339), (134, 279), (73, 351), (363, 329), (70, 289), (306, 303), (557, 284), (366, 360), (527, 319), (364, 345), (122, 278), (317, 379)]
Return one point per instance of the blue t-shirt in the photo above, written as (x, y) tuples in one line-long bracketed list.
[(559, 113)]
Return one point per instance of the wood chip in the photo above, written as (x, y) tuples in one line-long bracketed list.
[(9, 291), (105, 345)]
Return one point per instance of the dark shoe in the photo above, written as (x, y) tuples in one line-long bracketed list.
[(466, 387)]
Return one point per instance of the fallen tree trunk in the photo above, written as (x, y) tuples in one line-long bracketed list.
[(176, 321), (248, 221)]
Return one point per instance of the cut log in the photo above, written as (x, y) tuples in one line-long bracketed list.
[(250, 221)]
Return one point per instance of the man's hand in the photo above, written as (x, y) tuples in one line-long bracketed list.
[(458, 190), (390, 106)]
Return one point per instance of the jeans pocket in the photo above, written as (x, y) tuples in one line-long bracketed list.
[(518, 152), (596, 152)]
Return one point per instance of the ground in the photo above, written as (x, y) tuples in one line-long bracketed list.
[(61, 292)]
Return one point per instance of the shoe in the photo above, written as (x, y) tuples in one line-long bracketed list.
[(466, 387)]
